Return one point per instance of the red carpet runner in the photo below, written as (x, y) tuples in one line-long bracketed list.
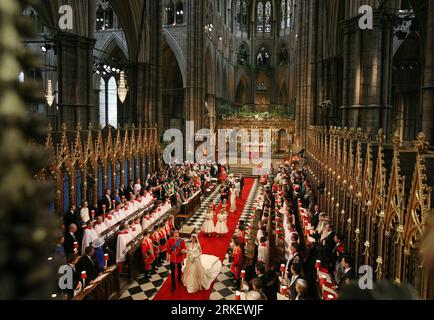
[(212, 246)]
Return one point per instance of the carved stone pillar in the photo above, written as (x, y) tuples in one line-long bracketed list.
[(75, 74), (367, 63)]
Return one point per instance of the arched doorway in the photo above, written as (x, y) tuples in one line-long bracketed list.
[(241, 92), (173, 91)]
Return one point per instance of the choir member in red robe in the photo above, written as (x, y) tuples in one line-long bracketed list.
[(147, 253), (237, 262)]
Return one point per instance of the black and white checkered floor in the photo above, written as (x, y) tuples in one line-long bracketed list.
[(146, 289)]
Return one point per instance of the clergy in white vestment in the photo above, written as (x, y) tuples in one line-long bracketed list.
[(146, 222), (137, 187), (89, 236), (138, 226), (122, 248), (108, 220)]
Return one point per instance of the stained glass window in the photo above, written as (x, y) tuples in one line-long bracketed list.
[(288, 14), (260, 16), (238, 14), (268, 16), (282, 14)]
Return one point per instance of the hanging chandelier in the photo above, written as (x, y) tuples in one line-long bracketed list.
[(49, 95), (122, 88)]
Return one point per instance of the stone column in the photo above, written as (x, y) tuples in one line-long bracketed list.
[(428, 81), (75, 74), (367, 65), (195, 91)]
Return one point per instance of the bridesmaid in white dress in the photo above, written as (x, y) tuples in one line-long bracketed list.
[(221, 227), (200, 270), (208, 225), (233, 198)]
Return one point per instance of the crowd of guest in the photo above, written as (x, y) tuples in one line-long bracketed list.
[(81, 247), (285, 261)]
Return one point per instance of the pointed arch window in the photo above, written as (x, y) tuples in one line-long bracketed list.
[(108, 102), (282, 14), (104, 16), (268, 17), (179, 13), (288, 14), (112, 102), (244, 16), (170, 13), (102, 103), (260, 16), (241, 15), (238, 14)]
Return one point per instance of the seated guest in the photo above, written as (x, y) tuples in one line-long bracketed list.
[(292, 280), (71, 264), (257, 286), (88, 263), (301, 288)]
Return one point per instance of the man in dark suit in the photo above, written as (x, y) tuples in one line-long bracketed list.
[(129, 189), (106, 201), (89, 264), (71, 216), (71, 264), (70, 238), (270, 281), (315, 217), (295, 257), (348, 273)]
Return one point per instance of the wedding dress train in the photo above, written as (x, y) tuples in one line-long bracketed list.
[(200, 270)]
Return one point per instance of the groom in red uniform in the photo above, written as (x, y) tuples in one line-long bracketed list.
[(176, 251)]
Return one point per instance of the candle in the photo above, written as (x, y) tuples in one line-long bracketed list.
[(323, 280), (237, 295), (284, 290), (282, 268), (277, 219), (83, 277), (106, 257), (243, 274), (93, 214), (318, 264)]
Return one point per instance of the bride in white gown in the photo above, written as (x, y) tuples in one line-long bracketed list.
[(200, 270)]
